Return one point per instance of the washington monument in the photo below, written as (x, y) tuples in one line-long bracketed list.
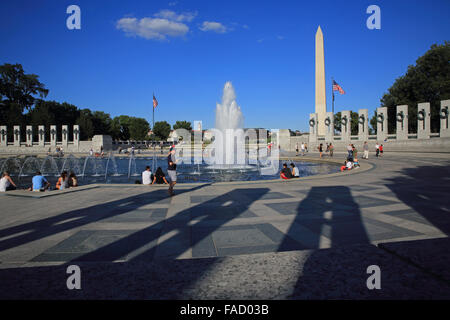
[(321, 101)]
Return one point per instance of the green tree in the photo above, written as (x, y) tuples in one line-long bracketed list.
[(427, 81), (139, 128), (19, 89), (182, 125), (121, 128), (161, 130), (102, 123), (86, 124)]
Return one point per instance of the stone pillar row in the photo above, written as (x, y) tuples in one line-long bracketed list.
[(41, 135), (423, 123)]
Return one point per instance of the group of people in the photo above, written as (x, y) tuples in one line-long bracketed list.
[(352, 161), (287, 173), (39, 182), (159, 177), (303, 147), (329, 150)]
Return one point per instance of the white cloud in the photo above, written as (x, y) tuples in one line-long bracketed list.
[(213, 26), (174, 3), (152, 28), (171, 15)]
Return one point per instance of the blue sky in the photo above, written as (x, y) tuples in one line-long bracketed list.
[(185, 51)]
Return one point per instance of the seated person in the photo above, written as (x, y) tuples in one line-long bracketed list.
[(63, 181), (349, 165), (285, 172), (6, 183), (159, 177), (356, 163), (344, 167), (73, 181), (39, 183), (295, 172), (147, 176)]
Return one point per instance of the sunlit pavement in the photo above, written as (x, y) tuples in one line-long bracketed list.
[(308, 239)]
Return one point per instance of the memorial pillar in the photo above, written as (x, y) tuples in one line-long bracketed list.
[(423, 120), (382, 124), (346, 127), (3, 136), (16, 136), (313, 125), (329, 126), (363, 124), (402, 122), (444, 115), (53, 135), (41, 135)]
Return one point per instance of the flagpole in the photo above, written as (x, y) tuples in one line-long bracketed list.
[(153, 135), (332, 95)]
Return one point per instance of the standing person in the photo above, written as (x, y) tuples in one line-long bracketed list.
[(132, 150), (328, 148), (6, 183), (306, 147), (320, 147), (366, 150), (377, 150), (381, 150), (331, 150), (147, 176), (91, 152), (349, 151), (354, 151), (303, 148), (172, 170), (295, 172), (296, 149), (161, 145)]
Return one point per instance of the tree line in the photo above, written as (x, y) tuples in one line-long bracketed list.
[(22, 103)]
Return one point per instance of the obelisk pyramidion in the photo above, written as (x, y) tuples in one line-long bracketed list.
[(321, 102)]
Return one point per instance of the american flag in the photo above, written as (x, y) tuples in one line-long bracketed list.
[(155, 102), (337, 87)]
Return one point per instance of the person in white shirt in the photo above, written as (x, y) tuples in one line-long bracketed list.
[(303, 148), (349, 165), (147, 176), (377, 150), (6, 183), (295, 172)]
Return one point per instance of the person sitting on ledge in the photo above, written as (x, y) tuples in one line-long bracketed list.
[(39, 183), (347, 165), (6, 183), (147, 176), (355, 163), (285, 172), (159, 177), (73, 181), (295, 172), (63, 181)]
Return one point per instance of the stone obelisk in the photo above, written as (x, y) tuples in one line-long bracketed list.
[(321, 102)]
